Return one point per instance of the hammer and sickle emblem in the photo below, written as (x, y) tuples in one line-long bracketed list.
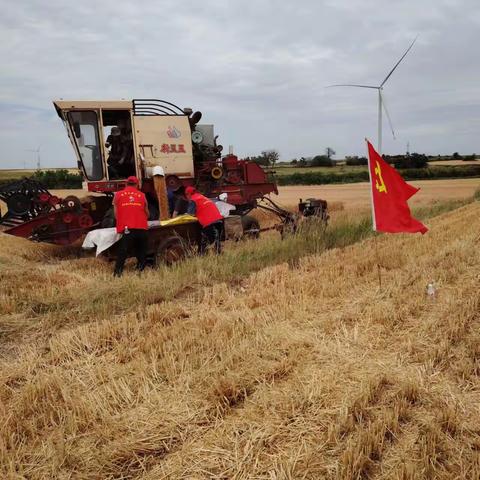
[(379, 183)]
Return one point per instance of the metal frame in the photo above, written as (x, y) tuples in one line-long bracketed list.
[(144, 107), (273, 207), (99, 135)]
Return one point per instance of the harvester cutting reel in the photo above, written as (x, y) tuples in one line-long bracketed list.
[(28, 199)]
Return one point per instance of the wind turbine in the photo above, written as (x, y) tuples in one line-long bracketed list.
[(37, 151), (381, 99)]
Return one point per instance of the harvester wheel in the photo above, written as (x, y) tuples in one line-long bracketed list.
[(173, 182), (251, 227), (68, 217), (85, 221), (170, 250), (53, 201), (73, 203), (44, 197)]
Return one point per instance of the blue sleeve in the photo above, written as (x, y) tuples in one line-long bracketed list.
[(192, 208)]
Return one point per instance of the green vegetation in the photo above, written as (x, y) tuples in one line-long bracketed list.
[(58, 179), (466, 158), (414, 160), (267, 158), (356, 161), (337, 169), (321, 161), (436, 172), (360, 174), (323, 178), (55, 178)]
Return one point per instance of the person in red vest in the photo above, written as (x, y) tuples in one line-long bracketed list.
[(209, 218), (131, 214)]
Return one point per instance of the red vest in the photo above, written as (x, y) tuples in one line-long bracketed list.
[(130, 206), (206, 211)]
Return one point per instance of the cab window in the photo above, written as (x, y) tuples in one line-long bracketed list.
[(119, 150), (85, 129)]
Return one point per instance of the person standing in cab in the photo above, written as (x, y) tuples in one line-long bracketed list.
[(131, 214), (209, 218)]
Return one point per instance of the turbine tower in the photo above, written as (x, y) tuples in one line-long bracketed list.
[(37, 151), (381, 98)]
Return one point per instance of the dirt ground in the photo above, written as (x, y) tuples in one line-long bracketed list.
[(358, 194), (454, 162)]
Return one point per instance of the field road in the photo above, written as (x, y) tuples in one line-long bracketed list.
[(358, 194)]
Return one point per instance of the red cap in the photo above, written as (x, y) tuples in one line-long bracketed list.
[(190, 190), (132, 180)]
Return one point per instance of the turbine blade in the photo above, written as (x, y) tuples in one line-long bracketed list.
[(388, 115), (398, 63), (351, 85)]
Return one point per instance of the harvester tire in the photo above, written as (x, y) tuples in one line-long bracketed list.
[(173, 182), (251, 227), (170, 250), (73, 203)]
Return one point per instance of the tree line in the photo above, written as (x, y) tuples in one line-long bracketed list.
[(269, 158)]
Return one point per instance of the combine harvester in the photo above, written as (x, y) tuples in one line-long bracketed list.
[(161, 144)]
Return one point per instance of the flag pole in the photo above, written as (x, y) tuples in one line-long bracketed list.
[(371, 187), (379, 270), (374, 223)]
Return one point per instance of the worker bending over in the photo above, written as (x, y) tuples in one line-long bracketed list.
[(131, 214), (180, 202), (209, 218)]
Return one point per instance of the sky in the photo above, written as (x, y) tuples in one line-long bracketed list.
[(257, 70)]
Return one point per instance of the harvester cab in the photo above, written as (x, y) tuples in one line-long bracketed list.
[(116, 139)]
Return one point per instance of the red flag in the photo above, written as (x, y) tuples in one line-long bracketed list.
[(390, 193)]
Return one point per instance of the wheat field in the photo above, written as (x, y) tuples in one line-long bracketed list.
[(306, 369)]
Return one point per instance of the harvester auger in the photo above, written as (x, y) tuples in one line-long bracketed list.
[(146, 138)]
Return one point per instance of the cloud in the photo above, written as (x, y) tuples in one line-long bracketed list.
[(257, 70)]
